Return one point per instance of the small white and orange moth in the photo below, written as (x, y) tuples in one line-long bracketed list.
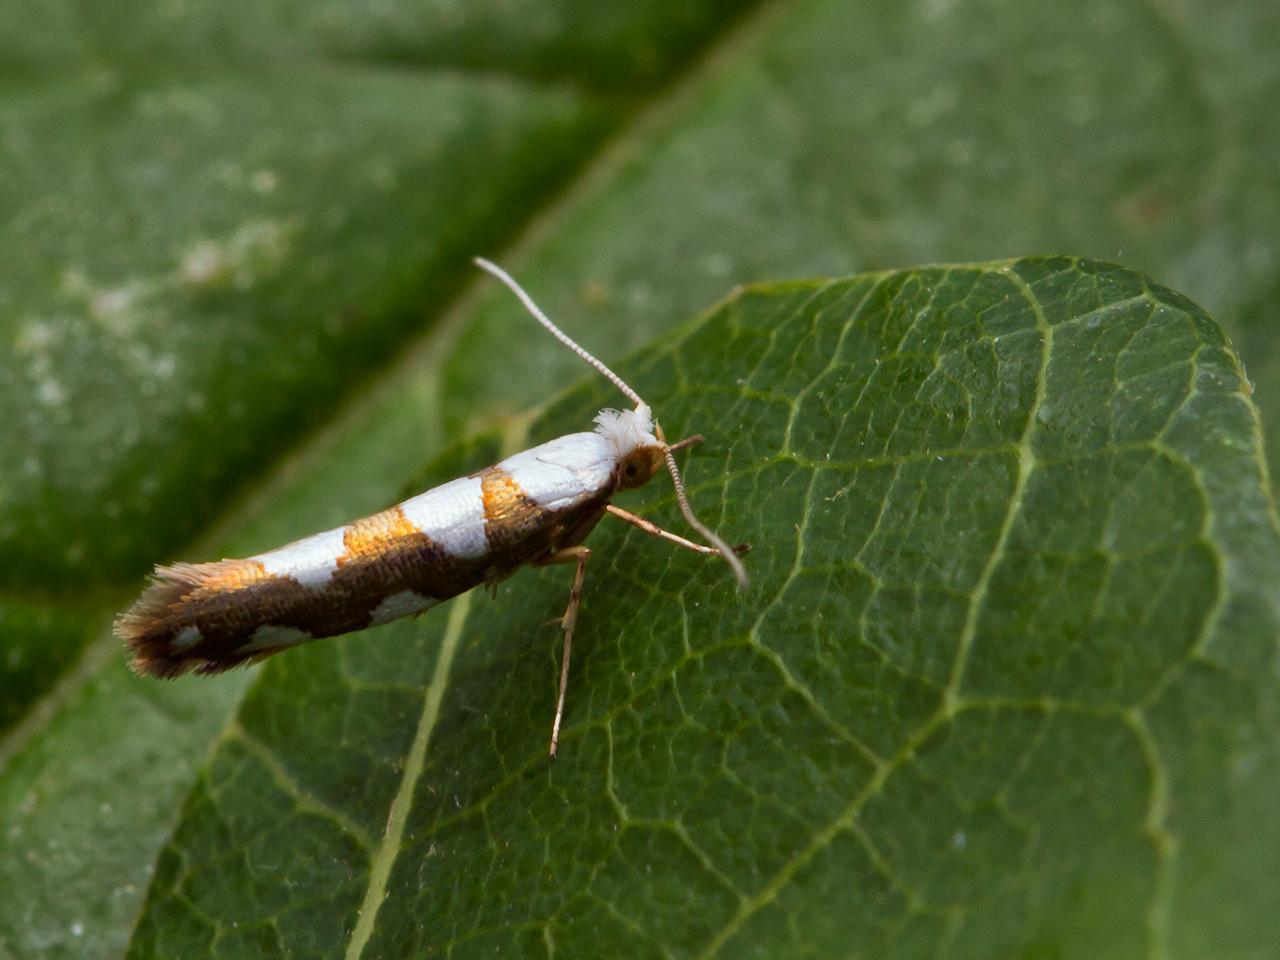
[(535, 507)]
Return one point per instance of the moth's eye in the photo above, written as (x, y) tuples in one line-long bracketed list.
[(631, 470)]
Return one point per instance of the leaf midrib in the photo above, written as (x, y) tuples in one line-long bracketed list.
[(388, 848)]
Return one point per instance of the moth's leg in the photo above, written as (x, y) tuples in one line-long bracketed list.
[(579, 555), (687, 442), (640, 523)]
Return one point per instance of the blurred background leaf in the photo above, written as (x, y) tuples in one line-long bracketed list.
[(233, 231)]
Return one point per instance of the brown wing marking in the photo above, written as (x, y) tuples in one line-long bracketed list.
[(203, 616)]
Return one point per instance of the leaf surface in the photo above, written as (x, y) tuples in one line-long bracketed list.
[(1004, 679), (818, 137)]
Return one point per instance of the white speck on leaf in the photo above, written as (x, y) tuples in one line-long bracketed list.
[(106, 304), (960, 151), (180, 102), (202, 263), (264, 181), (253, 250), (382, 175), (931, 10), (718, 264), (34, 336), (50, 392), (639, 295), (925, 110)]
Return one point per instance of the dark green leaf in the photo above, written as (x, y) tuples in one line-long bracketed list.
[(38, 641), (609, 45), (225, 287), (1001, 683)]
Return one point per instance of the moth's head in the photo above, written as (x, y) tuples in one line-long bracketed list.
[(637, 441)]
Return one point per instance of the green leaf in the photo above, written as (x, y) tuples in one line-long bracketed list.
[(817, 137), (39, 641), (1002, 683), (613, 46)]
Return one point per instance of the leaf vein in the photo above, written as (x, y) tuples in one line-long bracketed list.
[(304, 799), (1026, 462)]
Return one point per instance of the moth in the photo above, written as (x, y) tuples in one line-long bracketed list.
[(533, 508)]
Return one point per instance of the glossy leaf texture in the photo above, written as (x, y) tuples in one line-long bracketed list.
[(235, 306), (1003, 683)]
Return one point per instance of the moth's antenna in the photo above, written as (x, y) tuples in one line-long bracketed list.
[(492, 268), (682, 498), (712, 537)]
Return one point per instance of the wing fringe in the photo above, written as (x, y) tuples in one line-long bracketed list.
[(169, 603)]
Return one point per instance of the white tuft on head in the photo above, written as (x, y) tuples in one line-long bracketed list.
[(627, 429)]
